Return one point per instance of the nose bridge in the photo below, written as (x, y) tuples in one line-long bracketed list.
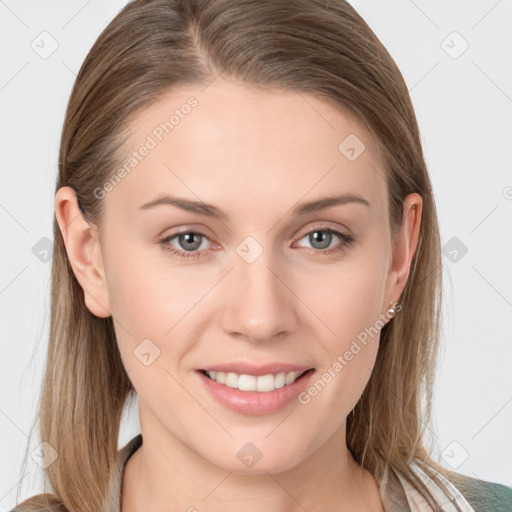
[(261, 305)]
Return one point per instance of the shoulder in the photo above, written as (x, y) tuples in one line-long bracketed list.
[(45, 502), (483, 496)]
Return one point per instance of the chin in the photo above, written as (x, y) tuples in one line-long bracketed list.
[(257, 458)]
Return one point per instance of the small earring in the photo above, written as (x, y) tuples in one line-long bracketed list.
[(391, 312)]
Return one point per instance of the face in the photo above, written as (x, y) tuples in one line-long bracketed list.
[(246, 309)]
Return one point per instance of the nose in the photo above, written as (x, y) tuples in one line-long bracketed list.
[(261, 306)]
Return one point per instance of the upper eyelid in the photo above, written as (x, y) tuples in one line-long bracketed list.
[(321, 227)]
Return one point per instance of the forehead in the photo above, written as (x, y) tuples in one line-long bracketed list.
[(249, 145)]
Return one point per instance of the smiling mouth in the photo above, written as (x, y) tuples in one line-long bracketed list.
[(261, 383)]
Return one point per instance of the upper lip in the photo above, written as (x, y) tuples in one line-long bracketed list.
[(243, 368)]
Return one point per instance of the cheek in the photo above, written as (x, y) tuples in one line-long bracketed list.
[(346, 298), (148, 303), (149, 296), (140, 300), (155, 305), (350, 310)]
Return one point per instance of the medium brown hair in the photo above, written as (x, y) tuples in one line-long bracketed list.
[(310, 46)]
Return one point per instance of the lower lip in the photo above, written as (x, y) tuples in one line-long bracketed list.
[(256, 402)]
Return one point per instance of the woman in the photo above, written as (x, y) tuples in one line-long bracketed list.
[(245, 238)]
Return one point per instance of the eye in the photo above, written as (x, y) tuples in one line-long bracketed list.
[(188, 244), (321, 239)]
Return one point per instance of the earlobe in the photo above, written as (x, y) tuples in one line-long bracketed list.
[(84, 252), (406, 242)]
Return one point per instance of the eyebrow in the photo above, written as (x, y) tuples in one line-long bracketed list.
[(210, 210)]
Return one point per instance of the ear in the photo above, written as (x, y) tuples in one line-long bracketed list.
[(406, 241), (84, 252)]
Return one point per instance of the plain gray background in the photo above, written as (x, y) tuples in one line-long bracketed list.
[(455, 57)]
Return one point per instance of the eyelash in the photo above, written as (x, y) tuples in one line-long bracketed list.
[(347, 240)]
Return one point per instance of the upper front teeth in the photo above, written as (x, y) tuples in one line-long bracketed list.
[(251, 382)]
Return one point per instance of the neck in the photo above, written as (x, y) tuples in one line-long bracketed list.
[(169, 476)]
